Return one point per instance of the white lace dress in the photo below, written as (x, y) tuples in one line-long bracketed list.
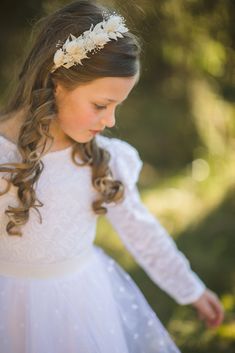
[(61, 293)]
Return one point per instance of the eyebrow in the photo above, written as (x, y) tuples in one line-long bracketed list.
[(108, 99), (112, 100)]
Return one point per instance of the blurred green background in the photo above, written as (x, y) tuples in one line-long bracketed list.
[(181, 118)]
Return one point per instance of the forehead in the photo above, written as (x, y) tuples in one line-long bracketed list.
[(111, 88)]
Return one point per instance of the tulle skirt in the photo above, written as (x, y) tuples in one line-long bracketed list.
[(96, 309)]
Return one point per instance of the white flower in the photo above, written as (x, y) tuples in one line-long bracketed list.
[(113, 35), (112, 24), (101, 39), (89, 43), (71, 47), (123, 29), (98, 27), (80, 42), (75, 48), (59, 57)]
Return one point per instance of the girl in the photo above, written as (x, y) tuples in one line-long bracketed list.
[(58, 291)]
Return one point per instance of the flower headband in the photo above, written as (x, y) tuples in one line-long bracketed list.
[(75, 48)]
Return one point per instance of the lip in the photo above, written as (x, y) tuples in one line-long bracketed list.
[(95, 131)]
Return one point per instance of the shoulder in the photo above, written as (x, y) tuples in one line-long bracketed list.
[(10, 126), (125, 161), (117, 147), (5, 127), (8, 139)]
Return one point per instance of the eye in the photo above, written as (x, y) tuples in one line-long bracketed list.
[(100, 107)]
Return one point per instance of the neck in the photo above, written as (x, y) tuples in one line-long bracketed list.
[(61, 140)]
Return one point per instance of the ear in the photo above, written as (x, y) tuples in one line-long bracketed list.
[(58, 88)]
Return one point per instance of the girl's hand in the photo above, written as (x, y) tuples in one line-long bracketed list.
[(209, 308)]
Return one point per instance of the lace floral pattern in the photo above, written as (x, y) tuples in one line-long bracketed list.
[(69, 223), (145, 238)]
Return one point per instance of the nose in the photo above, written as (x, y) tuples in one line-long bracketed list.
[(109, 120)]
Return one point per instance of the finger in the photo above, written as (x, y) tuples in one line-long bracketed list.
[(218, 309), (215, 304), (214, 322), (208, 311)]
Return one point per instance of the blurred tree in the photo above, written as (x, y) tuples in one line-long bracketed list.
[(188, 49), (16, 19)]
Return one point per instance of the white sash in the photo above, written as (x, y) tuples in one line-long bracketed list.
[(50, 270)]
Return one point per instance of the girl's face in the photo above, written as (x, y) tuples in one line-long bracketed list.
[(90, 107)]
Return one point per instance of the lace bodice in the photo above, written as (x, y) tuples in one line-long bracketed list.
[(69, 224)]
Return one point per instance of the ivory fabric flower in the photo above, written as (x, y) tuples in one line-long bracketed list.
[(113, 24), (72, 47), (76, 48), (59, 57), (101, 39)]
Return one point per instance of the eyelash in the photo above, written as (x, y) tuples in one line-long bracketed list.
[(100, 107)]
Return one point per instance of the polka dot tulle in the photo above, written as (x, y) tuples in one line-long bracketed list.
[(98, 309)]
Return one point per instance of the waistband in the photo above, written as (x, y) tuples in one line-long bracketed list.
[(43, 271)]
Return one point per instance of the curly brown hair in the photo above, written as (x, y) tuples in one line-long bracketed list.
[(35, 95)]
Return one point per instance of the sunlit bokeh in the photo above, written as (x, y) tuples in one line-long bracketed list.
[(181, 118)]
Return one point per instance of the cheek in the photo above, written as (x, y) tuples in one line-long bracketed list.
[(79, 119)]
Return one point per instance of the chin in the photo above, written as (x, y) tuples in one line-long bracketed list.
[(84, 139)]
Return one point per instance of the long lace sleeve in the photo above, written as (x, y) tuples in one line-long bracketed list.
[(142, 234)]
